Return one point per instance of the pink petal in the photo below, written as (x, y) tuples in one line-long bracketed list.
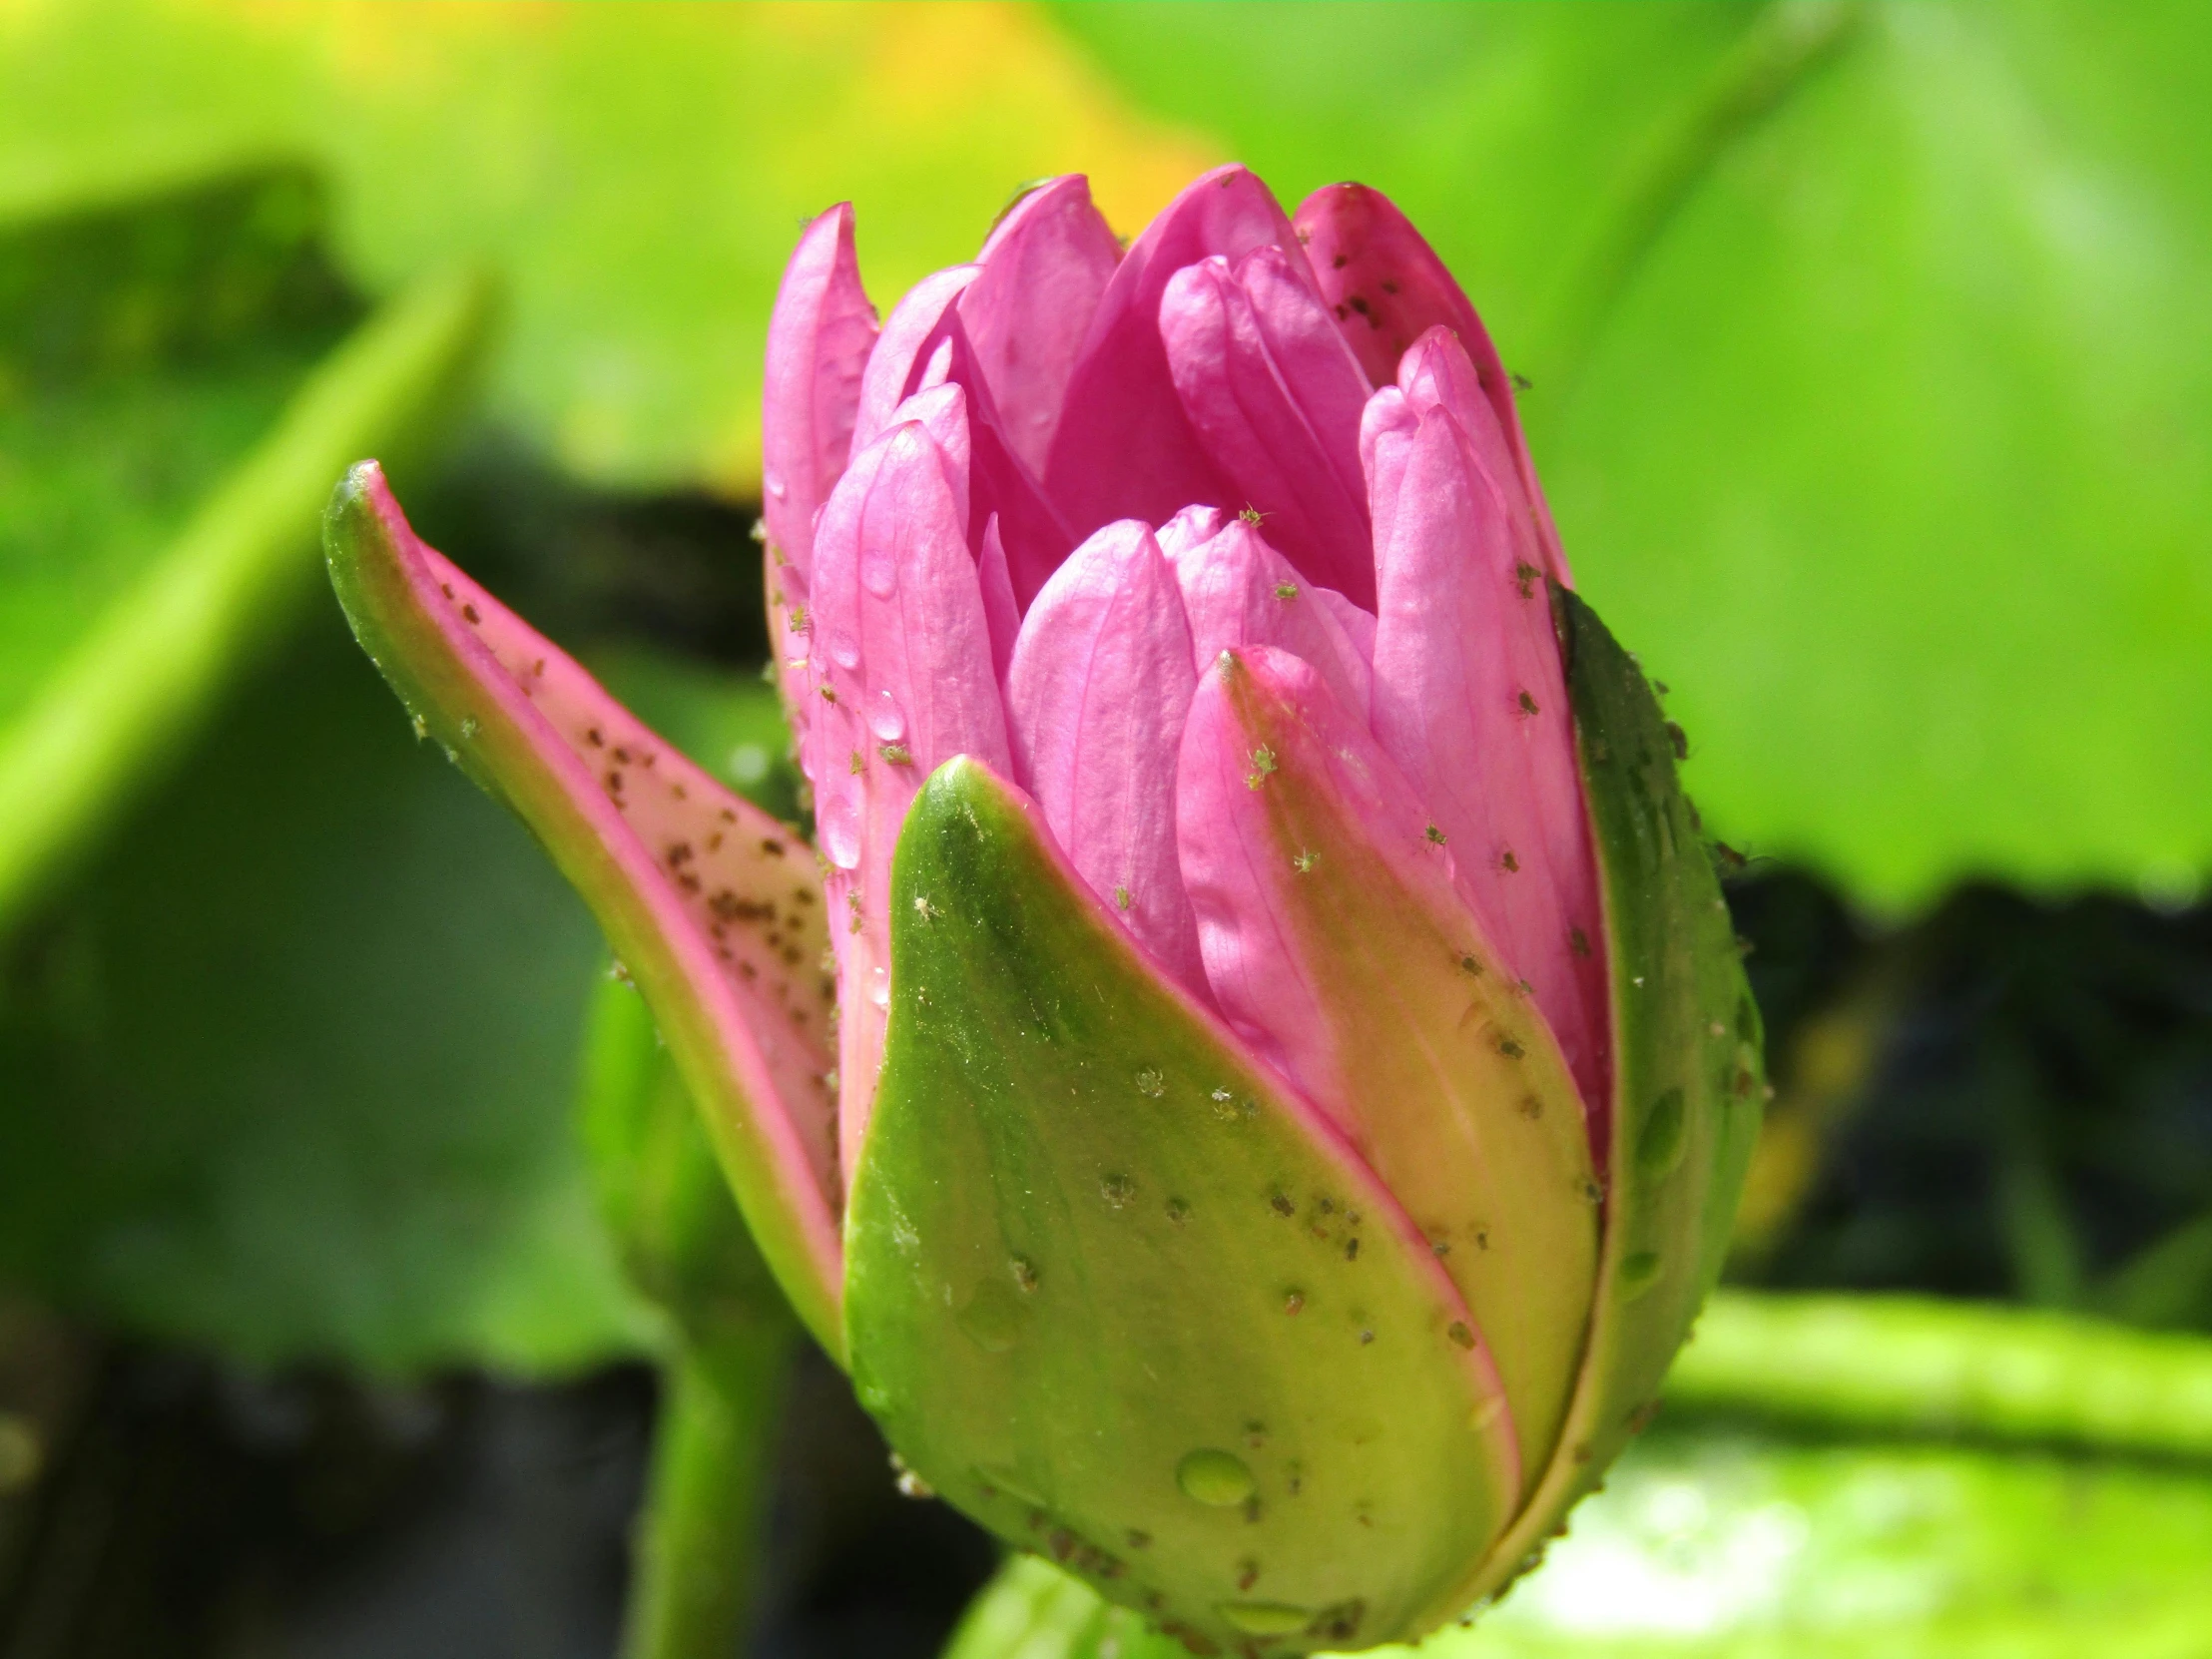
[(1188, 528), (1043, 270), (819, 338), (927, 343), (1342, 947), (1470, 701), (1095, 700), (1387, 288), (1238, 591), (897, 368), (1358, 625), (942, 411), (1000, 612), (713, 905), (1123, 448), (902, 670), (1274, 399), (1437, 372)]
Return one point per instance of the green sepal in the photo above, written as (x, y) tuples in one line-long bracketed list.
[(1688, 1077), (432, 653), (1113, 1294)]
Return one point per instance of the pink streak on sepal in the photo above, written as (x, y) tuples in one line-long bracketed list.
[(1095, 701), (724, 891), (902, 644), (1371, 1194), (1341, 943)]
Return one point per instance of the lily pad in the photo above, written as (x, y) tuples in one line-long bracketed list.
[(1724, 1544)]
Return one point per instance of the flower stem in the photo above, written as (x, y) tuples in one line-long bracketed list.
[(698, 1541)]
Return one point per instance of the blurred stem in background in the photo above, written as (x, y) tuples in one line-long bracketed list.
[(729, 1346)]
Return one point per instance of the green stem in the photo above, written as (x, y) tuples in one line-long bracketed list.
[(697, 1547), (1910, 1364)]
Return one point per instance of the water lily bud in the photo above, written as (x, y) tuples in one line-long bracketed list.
[(1291, 1071)]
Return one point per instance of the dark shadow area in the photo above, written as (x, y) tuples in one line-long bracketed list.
[(191, 1511)]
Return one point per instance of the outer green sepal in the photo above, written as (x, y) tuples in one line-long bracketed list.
[(1688, 1076), (1115, 1295), (424, 626)]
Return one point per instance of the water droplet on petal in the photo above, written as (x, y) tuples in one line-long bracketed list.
[(884, 718), (880, 986), (1213, 1478), (840, 830), (878, 571), (844, 649)]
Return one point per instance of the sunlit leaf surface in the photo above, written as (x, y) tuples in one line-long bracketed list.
[(639, 173), (1719, 1543)]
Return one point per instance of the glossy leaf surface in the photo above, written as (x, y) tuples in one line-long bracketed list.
[(290, 1070), (639, 175)]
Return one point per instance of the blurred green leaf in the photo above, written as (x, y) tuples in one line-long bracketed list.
[(639, 174), (290, 1070), (1871, 379), (176, 393), (1722, 1543), (1892, 1363)]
